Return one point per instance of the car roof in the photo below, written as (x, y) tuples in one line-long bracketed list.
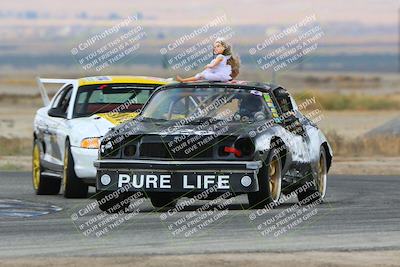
[(121, 79), (231, 84)]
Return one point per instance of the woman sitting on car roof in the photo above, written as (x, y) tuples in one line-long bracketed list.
[(224, 67)]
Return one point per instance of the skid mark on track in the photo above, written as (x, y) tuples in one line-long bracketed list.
[(14, 208)]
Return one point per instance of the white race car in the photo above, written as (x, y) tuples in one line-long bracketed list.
[(67, 130)]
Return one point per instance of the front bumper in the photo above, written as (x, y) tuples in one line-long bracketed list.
[(83, 161), (177, 176)]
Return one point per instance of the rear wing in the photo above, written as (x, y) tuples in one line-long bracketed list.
[(43, 93)]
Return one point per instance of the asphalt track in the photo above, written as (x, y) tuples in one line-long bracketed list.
[(360, 213)]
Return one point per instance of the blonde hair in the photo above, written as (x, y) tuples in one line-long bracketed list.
[(233, 61)]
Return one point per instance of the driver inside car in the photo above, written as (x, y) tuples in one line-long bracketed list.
[(251, 108)]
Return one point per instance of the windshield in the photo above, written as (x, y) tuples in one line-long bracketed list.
[(103, 98), (198, 104)]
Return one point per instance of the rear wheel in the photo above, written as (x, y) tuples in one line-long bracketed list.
[(72, 185), (42, 184), (269, 182), (318, 190)]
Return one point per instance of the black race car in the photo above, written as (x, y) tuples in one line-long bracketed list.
[(239, 137)]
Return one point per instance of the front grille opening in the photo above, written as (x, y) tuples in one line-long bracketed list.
[(156, 150), (246, 146), (162, 150)]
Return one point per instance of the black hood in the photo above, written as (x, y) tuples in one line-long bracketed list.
[(163, 128)]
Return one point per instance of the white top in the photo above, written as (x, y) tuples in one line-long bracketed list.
[(221, 72)]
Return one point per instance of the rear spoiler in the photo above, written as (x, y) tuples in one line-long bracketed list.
[(42, 89)]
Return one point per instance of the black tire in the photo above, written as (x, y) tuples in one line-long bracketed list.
[(163, 201), (318, 190), (265, 195), (43, 185), (111, 202), (72, 185)]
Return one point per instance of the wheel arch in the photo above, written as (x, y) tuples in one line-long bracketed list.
[(282, 150), (42, 144), (66, 141), (328, 154)]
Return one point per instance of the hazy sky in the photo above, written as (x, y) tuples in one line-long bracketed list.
[(179, 12)]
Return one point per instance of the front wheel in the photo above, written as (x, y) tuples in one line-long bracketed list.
[(269, 182), (72, 185), (318, 189)]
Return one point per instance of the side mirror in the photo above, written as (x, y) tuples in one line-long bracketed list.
[(56, 112)]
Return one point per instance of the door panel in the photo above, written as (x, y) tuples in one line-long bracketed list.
[(295, 133), (57, 127)]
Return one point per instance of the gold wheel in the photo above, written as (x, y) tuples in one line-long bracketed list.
[(274, 181), (36, 167)]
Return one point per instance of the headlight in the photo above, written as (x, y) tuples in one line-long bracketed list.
[(91, 142), (104, 147), (107, 150)]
